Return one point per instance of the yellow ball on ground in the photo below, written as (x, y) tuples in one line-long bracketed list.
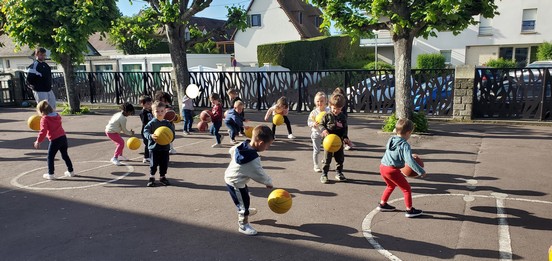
[(164, 135), (133, 143), (279, 201), (332, 143), (248, 131), (319, 117), (278, 119), (34, 122)]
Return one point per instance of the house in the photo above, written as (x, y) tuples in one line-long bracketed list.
[(514, 35), (275, 21)]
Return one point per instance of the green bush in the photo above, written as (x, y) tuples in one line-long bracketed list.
[(381, 66), (544, 51), (501, 63), (67, 111), (431, 61), (419, 120)]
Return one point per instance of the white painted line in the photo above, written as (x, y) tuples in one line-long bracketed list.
[(504, 241)]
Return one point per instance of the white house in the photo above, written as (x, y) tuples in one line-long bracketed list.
[(514, 34), (273, 21)]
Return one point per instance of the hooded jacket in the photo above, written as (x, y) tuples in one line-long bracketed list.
[(39, 76), (244, 166), (397, 153), (50, 126)]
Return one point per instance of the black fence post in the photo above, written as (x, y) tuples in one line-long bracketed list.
[(259, 94), (345, 85), (117, 82), (91, 86), (543, 94), (299, 90)]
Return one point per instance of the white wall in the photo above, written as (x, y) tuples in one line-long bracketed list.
[(275, 27)]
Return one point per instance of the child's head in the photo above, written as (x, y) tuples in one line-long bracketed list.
[(145, 101), (404, 127), (232, 93), (261, 138), (339, 90), (337, 101), (238, 106), (320, 100), (43, 108), (165, 97), (158, 109), (127, 108), (214, 98), (282, 103)]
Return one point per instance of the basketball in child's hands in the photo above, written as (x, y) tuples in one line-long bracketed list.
[(170, 115), (34, 122), (332, 143), (320, 116), (407, 171), (279, 201), (202, 126), (248, 131), (133, 143), (164, 135), (205, 116), (278, 119)]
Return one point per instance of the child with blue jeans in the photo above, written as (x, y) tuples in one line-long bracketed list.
[(234, 120), (187, 114), (145, 116), (159, 154), (216, 119)]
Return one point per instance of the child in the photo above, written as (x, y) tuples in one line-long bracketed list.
[(166, 98), (281, 107), (146, 116), (334, 122), (216, 119), (397, 153), (116, 125), (234, 120), (245, 165), (187, 114), (320, 102), (234, 97), (50, 126), (339, 90), (159, 154)]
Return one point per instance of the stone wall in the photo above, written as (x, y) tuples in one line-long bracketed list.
[(463, 93)]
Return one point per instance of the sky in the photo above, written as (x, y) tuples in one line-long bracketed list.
[(216, 10)]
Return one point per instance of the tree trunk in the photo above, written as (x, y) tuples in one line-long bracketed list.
[(403, 58), (177, 47), (70, 87)]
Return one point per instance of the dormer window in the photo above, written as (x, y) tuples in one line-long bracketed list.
[(254, 20), (300, 17)]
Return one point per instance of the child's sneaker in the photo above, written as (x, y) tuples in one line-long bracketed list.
[(317, 169), (252, 211), (233, 142), (115, 161), (69, 173), (172, 151), (324, 178), (122, 158), (413, 213), (164, 181), (247, 230), (385, 207), (48, 176), (146, 160), (347, 147), (291, 137), (340, 177), (185, 132), (151, 182), (216, 145)]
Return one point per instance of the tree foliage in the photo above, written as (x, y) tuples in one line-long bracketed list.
[(208, 47), (135, 35), (405, 20), (544, 52)]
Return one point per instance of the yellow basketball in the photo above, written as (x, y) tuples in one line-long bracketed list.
[(248, 131), (178, 118), (278, 119), (34, 122), (164, 135), (133, 143), (332, 143), (319, 117), (279, 201)]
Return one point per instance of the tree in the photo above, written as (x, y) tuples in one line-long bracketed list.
[(61, 26), (405, 19), (174, 16), (135, 35), (208, 47)]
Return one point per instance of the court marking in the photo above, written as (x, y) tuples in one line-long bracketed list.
[(367, 222)]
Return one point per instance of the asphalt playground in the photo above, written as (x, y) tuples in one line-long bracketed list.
[(486, 197)]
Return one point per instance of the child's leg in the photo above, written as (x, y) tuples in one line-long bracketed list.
[(216, 127), (146, 149), (288, 124), (339, 159), (327, 160), (393, 177), (233, 128), (273, 130), (154, 162), (64, 153), (53, 148), (163, 162), (316, 145), (188, 120), (116, 138), (241, 199)]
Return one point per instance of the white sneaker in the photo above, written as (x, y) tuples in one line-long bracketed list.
[(172, 151), (252, 211), (291, 137), (69, 173), (122, 158), (247, 230), (115, 161), (185, 133), (347, 147), (48, 176), (146, 160), (317, 169), (233, 142), (216, 145)]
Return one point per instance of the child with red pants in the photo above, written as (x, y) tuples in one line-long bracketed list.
[(398, 152), (117, 125)]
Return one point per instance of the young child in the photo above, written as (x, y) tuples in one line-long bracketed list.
[(115, 126), (234, 97), (159, 154), (216, 119), (397, 153), (320, 102), (166, 98), (245, 164), (234, 120), (281, 107), (339, 90), (50, 126), (146, 116), (187, 114), (334, 122)]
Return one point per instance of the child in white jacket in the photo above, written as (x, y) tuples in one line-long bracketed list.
[(313, 122)]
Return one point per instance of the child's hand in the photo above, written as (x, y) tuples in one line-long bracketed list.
[(267, 186), (266, 118), (423, 175), (154, 137), (246, 120), (324, 133), (36, 145), (131, 132)]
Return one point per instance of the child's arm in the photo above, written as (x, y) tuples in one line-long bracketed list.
[(268, 113), (258, 174), (123, 122), (311, 120), (408, 159)]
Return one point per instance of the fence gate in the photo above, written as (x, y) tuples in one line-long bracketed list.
[(7, 94)]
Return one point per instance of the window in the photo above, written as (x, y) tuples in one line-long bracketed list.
[(529, 19), (318, 21), (506, 52), (300, 17), (448, 56), (485, 26), (104, 68), (254, 20)]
